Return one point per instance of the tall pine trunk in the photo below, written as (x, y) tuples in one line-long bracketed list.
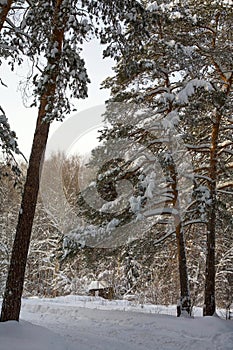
[(209, 298), (185, 299), (184, 305), (14, 286), (209, 304)]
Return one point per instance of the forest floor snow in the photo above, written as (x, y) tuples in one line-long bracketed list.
[(88, 323)]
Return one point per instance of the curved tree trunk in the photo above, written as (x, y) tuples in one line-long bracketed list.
[(14, 285)]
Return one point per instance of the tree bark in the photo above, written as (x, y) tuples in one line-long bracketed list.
[(4, 12), (209, 305), (14, 286), (185, 299)]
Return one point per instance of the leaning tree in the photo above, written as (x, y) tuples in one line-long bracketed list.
[(51, 35)]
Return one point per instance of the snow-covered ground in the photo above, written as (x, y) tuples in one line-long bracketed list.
[(85, 323)]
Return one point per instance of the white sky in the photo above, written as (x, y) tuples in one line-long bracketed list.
[(22, 119), (85, 143)]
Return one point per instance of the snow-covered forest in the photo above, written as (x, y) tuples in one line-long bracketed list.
[(147, 217)]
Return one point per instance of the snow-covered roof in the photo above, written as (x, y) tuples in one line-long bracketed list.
[(98, 285)]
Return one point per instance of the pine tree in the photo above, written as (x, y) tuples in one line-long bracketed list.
[(55, 31), (181, 65), (8, 139)]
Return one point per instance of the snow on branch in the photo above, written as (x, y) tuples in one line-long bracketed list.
[(184, 95)]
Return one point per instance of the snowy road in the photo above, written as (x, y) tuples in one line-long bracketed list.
[(88, 328)]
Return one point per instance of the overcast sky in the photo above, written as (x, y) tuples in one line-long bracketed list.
[(22, 119)]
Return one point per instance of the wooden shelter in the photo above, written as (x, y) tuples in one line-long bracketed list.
[(101, 289)]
